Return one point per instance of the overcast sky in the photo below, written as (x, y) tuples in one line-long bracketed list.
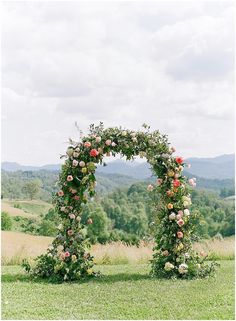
[(169, 64)]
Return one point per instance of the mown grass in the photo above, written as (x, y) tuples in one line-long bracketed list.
[(35, 207), (124, 292)]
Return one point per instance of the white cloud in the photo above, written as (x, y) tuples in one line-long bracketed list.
[(166, 63)]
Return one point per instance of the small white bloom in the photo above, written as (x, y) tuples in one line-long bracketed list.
[(168, 266), (60, 227), (183, 268), (113, 144), (187, 255), (186, 212), (172, 216)]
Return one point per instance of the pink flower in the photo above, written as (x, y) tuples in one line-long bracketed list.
[(176, 176), (73, 191), (178, 217), (87, 144), (192, 182), (69, 178), (98, 139), (75, 162), (180, 235), (180, 222), (76, 197), (70, 232), (159, 181), (165, 253), (108, 142), (176, 183), (72, 216), (81, 163), (94, 153), (150, 187), (67, 254), (63, 208), (60, 193), (173, 149), (180, 213), (179, 160)]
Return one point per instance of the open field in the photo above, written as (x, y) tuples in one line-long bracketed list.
[(26, 208), (124, 292), (16, 246)]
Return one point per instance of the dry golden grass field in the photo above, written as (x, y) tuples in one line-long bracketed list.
[(17, 246)]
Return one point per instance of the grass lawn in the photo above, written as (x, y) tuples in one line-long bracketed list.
[(124, 292)]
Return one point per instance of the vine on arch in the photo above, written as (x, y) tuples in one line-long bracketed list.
[(68, 257)]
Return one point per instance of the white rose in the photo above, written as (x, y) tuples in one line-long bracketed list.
[(172, 216), (168, 266), (75, 154), (183, 268), (75, 162), (124, 133), (186, 212), (69, 151)]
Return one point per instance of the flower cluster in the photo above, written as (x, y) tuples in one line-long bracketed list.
[(68, 257)]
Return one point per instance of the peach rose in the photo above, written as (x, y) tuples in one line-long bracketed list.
[(60, 193), (81, 163), (180, 235), (69, 178), (75, 162), (87, 144), (108, 142)]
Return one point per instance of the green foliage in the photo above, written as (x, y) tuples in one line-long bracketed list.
[(32, 188), (6, 222)]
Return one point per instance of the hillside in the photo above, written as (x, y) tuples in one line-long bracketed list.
[(220, 167)]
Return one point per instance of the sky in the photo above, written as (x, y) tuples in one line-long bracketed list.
[(168, 64)]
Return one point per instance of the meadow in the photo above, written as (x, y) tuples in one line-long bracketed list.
[(123, 292)]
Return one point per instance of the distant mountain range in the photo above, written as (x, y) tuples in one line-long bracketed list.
[(220, 167)]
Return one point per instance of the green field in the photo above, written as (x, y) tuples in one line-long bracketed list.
[(124, 292)]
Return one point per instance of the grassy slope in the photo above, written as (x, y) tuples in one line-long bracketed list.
[(125, 292)]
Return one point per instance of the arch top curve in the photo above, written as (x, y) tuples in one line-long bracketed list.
[(68, 257)]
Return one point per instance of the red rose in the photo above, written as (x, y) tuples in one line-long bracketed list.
[(93, 153), (176, 183), (179, 160)]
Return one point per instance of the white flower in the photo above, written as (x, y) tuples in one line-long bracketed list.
[(81, 163), (150, 187), (187, 255), (124, 133), (60, 227), (50, 247), (183, 268), (168, 266), (75, 154), (186, 212), (49, 254), (113, 144), (172, 216), (69, 151)]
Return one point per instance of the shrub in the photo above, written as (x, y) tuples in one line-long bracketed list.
[(6, 222)]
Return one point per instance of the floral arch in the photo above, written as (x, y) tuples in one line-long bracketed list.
[(68, 257)]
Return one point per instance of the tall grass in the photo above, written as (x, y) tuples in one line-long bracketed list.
[(28, 246)]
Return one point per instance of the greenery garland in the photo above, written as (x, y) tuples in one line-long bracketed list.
[(68, 258)]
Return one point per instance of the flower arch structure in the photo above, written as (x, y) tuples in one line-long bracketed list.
[(68, 257)]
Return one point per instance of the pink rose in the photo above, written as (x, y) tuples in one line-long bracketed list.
[(180, 235), (98, 139), (180, 222), (176, 183), (70, 232), (69, 178), (180, 213), (165, 253), (176, 176), (159, 181), (72, 216), (150, 187), (94, 153), (73, 191), (192, 182), (178, 217), (60, 193), (67, 254), (75, 162), (82, 164), (87, 144), (108, 142), (76, 197)]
